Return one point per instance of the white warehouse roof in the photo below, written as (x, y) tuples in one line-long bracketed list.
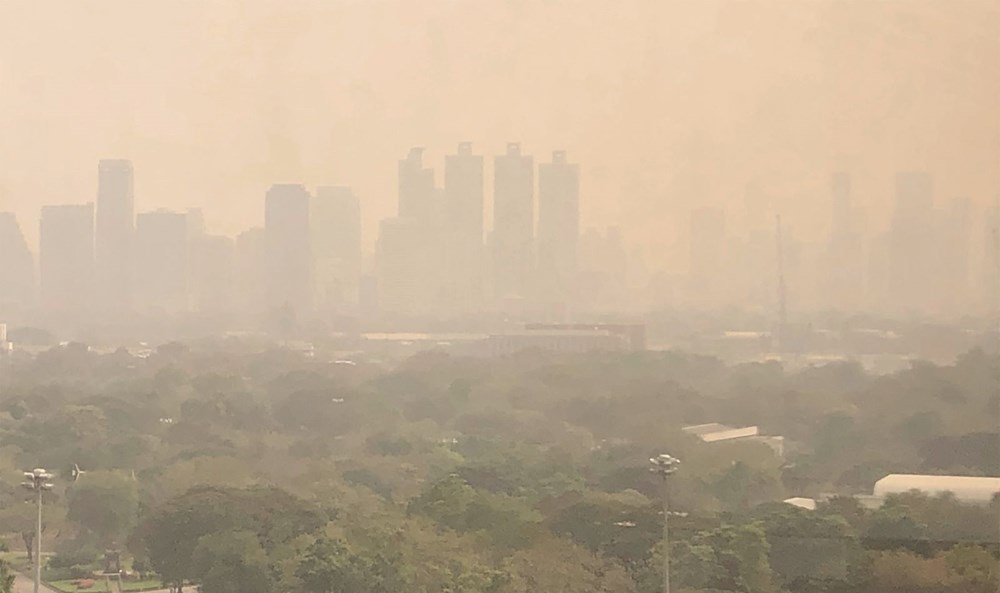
[(965, 488)]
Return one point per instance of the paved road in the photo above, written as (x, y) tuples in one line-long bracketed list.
[(26, 584)]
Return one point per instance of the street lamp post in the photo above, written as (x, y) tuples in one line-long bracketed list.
[(37, 480), (664, 465)]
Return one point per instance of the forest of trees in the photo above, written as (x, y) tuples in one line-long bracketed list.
[(247, 471)]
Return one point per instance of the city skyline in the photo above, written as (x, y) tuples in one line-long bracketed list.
[(664, 123), (459, 247)]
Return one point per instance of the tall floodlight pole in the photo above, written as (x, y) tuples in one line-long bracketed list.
[(664, 465), (37, 480)]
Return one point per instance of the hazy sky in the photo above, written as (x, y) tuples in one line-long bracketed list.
[(666, 104)]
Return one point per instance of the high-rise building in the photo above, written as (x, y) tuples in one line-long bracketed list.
[(513, 238), (214, 274), (288, 254), (708, 256), (17, 266), (911, 242), (251, 271), (66, 257), (410, 263), (335, 218), (558, 227), (114, 234), (842, 277), (418, 198), (463, 233), (162, 261), (403, 258)]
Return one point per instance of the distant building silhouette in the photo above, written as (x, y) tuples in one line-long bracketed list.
[(17, 266), (162, 258), (911, 242), (410, 248), (288, 257), (114, 234), (335, 220), (558, 227), (251, 271), (214, 274), (418, 199), (707, 256), (842, 277), (403, 257), (512, 241), (463, 206), (66, 257)]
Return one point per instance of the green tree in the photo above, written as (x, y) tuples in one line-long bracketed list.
[(105, 505), (329, 567), (231, 562), (172, 533), (6, 577)]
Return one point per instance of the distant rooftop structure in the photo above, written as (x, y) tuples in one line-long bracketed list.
[(713, 432), (968, 489), (803, 503)]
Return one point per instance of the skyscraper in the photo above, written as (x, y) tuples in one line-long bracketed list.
[(335, 220), (513, 236), (251, 271), (66, 257), (417, 197), (17, 267), (162, 257), (213, 274), (558, 227), (114, 232), (463, 196), (288, 257), (911, 242), (410, 247), (842, 280), (708, 251)]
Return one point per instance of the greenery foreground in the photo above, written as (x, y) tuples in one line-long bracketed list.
[(271, 472)]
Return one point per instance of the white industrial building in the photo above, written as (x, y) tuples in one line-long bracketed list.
[(968, 489), (714, 432)]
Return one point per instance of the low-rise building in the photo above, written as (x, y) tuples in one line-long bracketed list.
[(714, 432), (967, 489)]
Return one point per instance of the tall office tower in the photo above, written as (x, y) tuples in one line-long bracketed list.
[(708, 254), (840, 190), (66, 257), (558, 227), (403, 256), (335, 218), (988, 278), (17, 266), (463, 256), (513, 236), (911, 242), (251, 271), (842, 271), (953, 253), (162, 262), (288, 254), (213, 274), (410, 248), (418, 198), (114, 234)]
